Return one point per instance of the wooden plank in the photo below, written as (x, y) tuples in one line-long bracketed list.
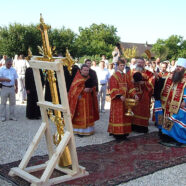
[(47, 104), (65, 178), (26, 176), (67, 119), (48, 136), (32, 146), (35, 168), (53, 161), (37, 78), (45, 65), (65, 170)]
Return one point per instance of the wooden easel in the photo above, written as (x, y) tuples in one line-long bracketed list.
[(68, 139)]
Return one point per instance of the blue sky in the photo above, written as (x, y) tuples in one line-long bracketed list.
[(136, 20)]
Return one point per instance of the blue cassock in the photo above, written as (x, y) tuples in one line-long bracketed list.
[(158, 113), (177, 127)]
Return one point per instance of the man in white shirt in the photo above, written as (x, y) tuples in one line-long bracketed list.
[(8, 77), (94, 65), (103, 78), (2, 62), (172, 66), (21, 65), (148, 66), (133, 63), (103, 58)]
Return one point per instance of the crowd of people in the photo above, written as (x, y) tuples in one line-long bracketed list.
[(154, 85)]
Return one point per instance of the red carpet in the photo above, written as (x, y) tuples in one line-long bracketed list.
[(113, 163)]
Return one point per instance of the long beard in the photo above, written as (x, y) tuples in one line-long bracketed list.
[(178, 76), (139, 68)]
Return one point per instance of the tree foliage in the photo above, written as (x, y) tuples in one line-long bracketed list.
[(98, 39), (63, 39), (17, 38), (171, 48)]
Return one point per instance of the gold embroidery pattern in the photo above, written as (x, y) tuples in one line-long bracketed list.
[(160, 119), (131, 90), (119, 124), (114, 89), (115, 75), (168, 124), (141, 117)]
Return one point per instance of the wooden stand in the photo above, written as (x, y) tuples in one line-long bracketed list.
[(68, 139)]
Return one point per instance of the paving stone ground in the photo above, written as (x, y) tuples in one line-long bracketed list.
[(15, 137)]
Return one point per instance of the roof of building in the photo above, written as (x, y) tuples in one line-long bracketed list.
[(140, 47)]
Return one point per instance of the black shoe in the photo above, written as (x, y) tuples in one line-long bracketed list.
[(121, 137), (80, 135), (34, 118), (167, 139), (139, 129), (179, 144), (125, 137)]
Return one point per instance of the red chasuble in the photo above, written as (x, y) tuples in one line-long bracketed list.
[(119, 85), (171, 95), (144, 92), (163, 75), (83, 105)]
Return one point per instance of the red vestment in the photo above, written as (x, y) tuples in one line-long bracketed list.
[(144, 92), (119, 85), (163, 75), (83, 105)]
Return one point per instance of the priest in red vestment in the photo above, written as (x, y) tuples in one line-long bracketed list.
[(83, 103), (121, 87), (144, 89), (163, 70)]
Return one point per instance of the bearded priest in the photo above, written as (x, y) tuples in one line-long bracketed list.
[(173, 100), (144, 85)]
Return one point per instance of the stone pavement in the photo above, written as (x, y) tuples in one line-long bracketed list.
[(15, 137)]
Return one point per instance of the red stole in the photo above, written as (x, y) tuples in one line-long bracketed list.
[(83, 105), (144, 92), (118, 122), (76, 88), (163, 75)]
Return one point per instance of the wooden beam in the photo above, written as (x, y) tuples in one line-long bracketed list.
[(65, 178), (47, 104), (35, 168), (52, 162), (32, 146), (45, 65), (26, 176)]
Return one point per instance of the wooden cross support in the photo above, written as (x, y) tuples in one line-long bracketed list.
[(68, 139)]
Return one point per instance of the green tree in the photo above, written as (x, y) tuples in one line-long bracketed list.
[(173, 43), (160, 50), (17, 38), (182, 50), (62, 39), (171, 48), (97, 39)]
